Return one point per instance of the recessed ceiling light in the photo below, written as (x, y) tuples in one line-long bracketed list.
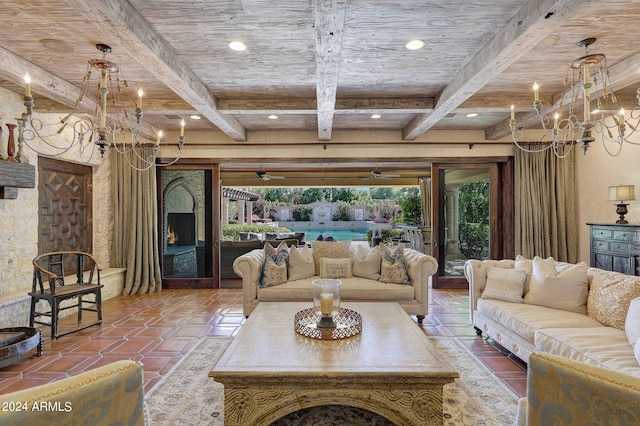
[(375, 116), (238, 46), (195, 117), (415, 44), (273, 117), (472, 114)]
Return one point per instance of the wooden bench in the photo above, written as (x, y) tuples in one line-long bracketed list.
[(52, 266)]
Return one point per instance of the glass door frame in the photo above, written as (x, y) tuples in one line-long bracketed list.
[(214, 234), (501, 215)]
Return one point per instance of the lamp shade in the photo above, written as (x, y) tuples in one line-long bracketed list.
[(622, 193)]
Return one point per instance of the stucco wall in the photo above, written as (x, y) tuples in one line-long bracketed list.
[(595, 172)]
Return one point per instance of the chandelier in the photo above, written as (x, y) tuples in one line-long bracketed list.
[(116, 129), (589, 80)]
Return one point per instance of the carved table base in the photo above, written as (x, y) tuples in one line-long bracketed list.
[(391, 368), (403, 401)]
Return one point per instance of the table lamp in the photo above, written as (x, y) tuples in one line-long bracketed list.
[(620, 194)]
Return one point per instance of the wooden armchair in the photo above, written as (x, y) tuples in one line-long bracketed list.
[(52, 267)]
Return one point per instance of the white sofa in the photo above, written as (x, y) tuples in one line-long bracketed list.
[(600, 331), (412, 297)]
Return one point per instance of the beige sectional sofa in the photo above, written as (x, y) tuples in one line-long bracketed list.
[(584, 314), (362, 285)]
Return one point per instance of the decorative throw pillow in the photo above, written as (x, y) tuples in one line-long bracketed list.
[(566, 290), (301, 263), (393, 268), (610, 295), (366, 263), (505, 284), (282, 250), (526, 265), (632, 323), (335, 268), (274, 267), (329, 250)]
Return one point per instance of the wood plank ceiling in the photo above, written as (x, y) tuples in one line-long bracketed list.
[(320, 65)]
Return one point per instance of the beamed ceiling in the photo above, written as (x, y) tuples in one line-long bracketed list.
[(320, 65)]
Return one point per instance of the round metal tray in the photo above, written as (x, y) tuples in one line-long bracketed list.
[(349, 323)]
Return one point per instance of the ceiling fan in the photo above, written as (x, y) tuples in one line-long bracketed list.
[(377, 174), (266, 176)]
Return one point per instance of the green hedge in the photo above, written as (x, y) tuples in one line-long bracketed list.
[(232, 232)]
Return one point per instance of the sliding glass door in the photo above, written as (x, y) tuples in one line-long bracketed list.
[(470, 215), (187, 228)]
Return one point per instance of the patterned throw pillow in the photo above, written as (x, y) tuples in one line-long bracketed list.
[(329, 250), (274, 272), (335, 268), (505, 284), (610, 295), (274, 267), (393, 268)]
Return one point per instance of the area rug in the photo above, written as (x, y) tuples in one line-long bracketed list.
[(188, 396)]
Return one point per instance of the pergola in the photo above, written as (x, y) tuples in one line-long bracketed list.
[(244, 200)]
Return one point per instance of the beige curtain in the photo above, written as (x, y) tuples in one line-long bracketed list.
[(425, 192), (545, 205), (135, 240)]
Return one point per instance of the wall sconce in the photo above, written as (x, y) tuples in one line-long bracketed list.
[(620, 194)]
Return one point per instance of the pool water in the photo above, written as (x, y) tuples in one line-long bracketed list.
[(341, 235)]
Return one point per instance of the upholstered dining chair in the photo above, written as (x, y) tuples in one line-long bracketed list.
[(50, 284)]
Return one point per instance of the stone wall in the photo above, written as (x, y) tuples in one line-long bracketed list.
[(19, 219)]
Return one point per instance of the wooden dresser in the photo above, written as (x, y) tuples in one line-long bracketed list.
[(615, 247)]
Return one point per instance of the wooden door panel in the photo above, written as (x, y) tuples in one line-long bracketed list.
[(65, 206)]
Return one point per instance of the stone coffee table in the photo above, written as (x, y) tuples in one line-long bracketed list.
[(390, 368)]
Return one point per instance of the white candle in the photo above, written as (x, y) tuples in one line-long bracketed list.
[(513, 112), (27, 80), (140, 98), (535, 92), (159, 137), (621, 115), (103, 98), (326, 303), (555, 121), (182, 127)]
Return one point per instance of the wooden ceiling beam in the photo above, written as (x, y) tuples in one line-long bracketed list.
[(529, 25), (285, 106), (329, 28), (141, 41), (280, 106)]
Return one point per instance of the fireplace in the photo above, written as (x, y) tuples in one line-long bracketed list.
[(181, 229)]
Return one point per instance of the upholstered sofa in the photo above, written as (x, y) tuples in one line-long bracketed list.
[(562, 391), (230, 250), (570, 310), (108, 395), (362, 283)]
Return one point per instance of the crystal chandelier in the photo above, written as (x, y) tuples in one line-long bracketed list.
[(589, 80), (114, 130)]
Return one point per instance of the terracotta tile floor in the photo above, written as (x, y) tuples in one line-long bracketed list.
[(160, 329)]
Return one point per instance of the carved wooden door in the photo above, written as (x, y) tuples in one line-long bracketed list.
[(65, 206)]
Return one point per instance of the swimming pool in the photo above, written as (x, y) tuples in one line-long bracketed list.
[(340, 235)]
